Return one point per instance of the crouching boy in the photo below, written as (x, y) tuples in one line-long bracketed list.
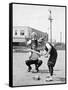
[(35, 54)]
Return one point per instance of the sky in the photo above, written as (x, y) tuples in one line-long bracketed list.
[(37, 17)]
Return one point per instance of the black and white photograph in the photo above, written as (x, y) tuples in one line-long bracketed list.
[(38, 44)]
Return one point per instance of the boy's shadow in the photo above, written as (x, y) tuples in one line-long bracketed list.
[(41, 71)]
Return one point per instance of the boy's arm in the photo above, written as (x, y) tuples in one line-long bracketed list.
[(35, 52), (49, 49), (48, 52), (30, 50)]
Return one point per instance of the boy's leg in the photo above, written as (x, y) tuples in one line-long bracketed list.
[(50, 67), (51, 63), (28, 63), (38, 64)]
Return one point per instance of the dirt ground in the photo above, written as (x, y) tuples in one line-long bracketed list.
[(21, 77)]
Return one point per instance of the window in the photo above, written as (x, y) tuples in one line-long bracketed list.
[(22, 32), (15, 32)]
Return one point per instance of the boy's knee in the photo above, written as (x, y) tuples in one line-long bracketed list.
[(40, 62), (27, 62), (50, 64)]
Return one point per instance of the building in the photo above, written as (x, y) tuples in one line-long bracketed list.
[(22, 33)]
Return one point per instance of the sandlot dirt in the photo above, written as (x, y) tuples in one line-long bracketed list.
[(21, 77)]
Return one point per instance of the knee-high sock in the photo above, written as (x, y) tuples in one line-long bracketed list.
[(50, 70)]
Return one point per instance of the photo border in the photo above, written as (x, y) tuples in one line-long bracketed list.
[(11, 40)]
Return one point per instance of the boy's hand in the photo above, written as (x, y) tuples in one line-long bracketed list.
[(47, 55)]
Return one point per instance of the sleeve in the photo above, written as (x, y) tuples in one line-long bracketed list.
[(48, 46), (29, 54)]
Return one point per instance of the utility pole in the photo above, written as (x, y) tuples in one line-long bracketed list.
[(50, 19)]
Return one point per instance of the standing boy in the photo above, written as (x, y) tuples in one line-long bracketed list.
[(51, 53), (52, 59)]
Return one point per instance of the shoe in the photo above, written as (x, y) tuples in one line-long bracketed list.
[(37, 69), (29, 69), (49, 78)]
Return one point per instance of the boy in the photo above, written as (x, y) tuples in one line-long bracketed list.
[(34, 57), (52, 59)]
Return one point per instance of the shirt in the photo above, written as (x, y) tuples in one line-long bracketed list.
[(33, 55), (51, 48)]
